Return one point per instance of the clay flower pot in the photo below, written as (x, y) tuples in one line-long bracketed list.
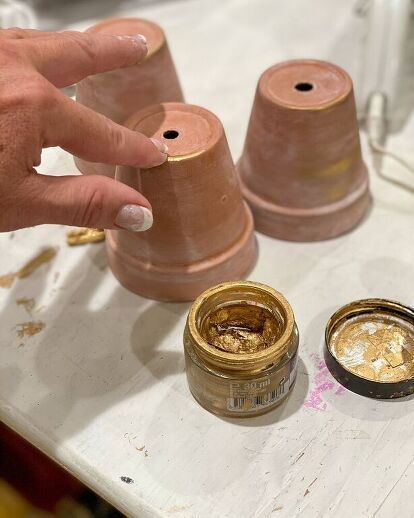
[(203, 230), (301, 169), (120, 93)]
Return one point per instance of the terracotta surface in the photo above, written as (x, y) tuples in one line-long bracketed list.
[(203, 231), (120, 93), (301, 170)]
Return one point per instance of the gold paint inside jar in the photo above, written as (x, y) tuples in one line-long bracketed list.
[(241, 328), (241, 344)]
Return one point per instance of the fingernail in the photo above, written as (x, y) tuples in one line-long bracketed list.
[(135, 218), (142, 38), (160, 145), (138, 40)]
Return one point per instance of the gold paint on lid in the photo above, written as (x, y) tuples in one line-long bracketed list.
[(374, 340)]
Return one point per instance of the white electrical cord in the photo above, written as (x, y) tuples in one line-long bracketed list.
[(384, 151), (376, 127)]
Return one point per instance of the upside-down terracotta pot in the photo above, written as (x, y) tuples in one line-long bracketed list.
[(120, 93), (301, 169), (203, 230)]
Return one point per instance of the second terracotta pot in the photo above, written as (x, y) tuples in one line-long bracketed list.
[(120, 93), (301, 170), (203, 230)]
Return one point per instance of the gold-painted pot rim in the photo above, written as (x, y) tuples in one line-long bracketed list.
[(233, 361)]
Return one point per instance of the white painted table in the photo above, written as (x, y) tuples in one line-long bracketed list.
[(102, 388)]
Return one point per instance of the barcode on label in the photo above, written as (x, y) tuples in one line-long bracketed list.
[(247, 403), (239, 403)]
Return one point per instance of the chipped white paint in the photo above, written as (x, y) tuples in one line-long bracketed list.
[(370, 327), (102, 388), (380, 362), (354, 355)]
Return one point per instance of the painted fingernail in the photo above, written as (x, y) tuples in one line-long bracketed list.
[(138, 40), (142, 38), (160, 145), (135, 218)]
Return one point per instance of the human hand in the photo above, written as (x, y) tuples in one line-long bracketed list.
[(34, 114)]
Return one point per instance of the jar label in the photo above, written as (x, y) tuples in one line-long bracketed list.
[(254, 394)]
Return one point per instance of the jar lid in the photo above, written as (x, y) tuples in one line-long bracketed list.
[(370, 348)]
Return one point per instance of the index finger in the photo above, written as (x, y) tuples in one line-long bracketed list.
[(17, 33), (67, 57)]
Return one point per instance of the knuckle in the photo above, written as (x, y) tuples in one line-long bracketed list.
[(117, 138), (87, 45), (15, 33), (33, 93), (9, 52), (41, 94), (91, 211)]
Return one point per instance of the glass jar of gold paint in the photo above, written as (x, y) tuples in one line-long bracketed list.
[(241, 347)]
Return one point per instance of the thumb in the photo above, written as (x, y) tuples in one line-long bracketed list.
[(84, 201)]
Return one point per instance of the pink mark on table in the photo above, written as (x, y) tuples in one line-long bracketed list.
[(322, 382)]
